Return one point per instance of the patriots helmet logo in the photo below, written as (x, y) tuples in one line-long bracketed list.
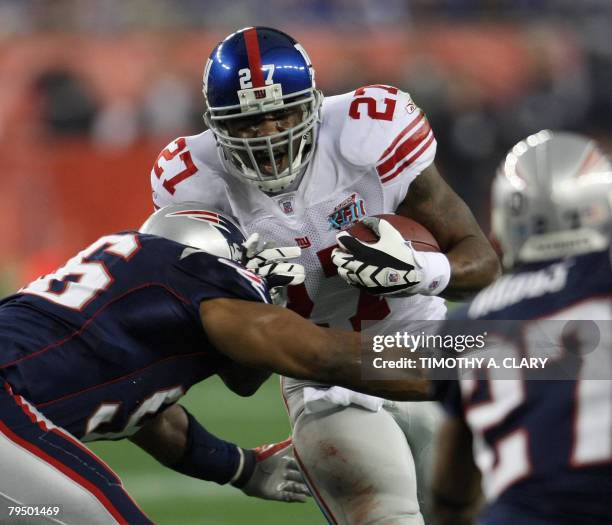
[(229, 230), (211, 217), (197, 227)]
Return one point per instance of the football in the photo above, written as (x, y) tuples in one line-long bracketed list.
[(421, 238)]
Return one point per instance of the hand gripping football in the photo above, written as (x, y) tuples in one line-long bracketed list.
[(421, 238)]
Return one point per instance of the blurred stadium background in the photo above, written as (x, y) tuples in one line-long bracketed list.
[(91, 90)]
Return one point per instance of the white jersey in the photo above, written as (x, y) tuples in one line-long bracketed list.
[(371, 145)]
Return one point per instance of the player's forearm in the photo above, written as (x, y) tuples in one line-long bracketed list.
[(456, 494), (432, 203), (450, 514), (342, 364), (474, 265), (448, 509), (300, 349), (178, 441), (165, 436), (276, 339)]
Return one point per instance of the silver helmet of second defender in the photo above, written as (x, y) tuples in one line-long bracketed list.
[(552, 198)]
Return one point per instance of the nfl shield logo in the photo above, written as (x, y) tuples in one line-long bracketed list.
[(394, 277), (286, 203), (287, 207)]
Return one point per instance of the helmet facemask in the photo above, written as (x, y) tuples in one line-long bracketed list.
[(272, 162)]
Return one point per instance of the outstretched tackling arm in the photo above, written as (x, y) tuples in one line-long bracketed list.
[(433, 203), (276, 339), (177, 440)]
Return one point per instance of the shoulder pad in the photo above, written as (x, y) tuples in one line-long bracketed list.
[(381, 122), (188, 169), (200, 275)]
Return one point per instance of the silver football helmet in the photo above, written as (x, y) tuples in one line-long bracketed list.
[(552, 198), (195, 225)]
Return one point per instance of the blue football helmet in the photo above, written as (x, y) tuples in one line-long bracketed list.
[(257, 74)]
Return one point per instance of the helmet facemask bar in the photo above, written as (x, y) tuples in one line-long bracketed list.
[(245, 157)]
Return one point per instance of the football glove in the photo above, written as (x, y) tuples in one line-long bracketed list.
[(272, 263), (276, 475), (389, 266)]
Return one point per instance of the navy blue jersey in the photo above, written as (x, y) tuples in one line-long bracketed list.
[(115, 335), (544, 446)]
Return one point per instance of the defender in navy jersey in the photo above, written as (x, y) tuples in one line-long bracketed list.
[(540, 449), (105, 346)]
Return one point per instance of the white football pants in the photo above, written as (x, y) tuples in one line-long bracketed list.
[(365, 467)]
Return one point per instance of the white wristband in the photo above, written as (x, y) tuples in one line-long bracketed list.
[(435, 272), (240, 468)]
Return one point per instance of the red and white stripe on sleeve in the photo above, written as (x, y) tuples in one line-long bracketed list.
[(408, 150)]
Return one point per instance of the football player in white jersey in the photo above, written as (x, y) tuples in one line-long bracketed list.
[(538, 442), (298, 169)]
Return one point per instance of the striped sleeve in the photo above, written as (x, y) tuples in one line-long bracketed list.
[(409, 151)]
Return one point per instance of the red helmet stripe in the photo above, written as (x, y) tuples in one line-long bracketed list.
[(195, 212), (199, 215), (252, 48), (590, 161)]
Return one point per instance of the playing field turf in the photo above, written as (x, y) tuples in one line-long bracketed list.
[(173, 499)]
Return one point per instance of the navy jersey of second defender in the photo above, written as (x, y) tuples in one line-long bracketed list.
[(544, 445), (114, 336)]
